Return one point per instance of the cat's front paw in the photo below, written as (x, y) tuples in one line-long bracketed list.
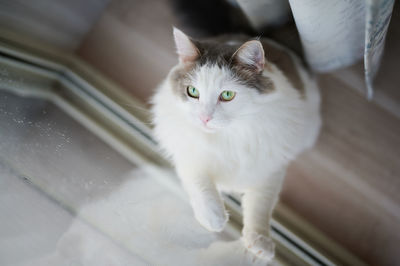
[(259, 245), (211, 216)]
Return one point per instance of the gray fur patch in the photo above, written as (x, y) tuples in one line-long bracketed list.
[(219, 51), (180, 79), (251, 79), (285, 63)]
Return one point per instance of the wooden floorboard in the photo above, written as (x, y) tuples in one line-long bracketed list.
[(348, 185)]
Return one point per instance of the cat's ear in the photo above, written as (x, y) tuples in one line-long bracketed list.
[(251, 55), (185, 48)]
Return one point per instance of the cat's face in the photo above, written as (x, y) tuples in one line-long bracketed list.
[(211, 98), (216, 84)]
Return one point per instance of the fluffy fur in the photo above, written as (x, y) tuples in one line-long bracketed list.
[(248, 142)]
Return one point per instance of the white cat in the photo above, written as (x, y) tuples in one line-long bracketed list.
[(231, 118)]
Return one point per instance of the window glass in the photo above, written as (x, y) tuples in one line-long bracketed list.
[(66, 197)]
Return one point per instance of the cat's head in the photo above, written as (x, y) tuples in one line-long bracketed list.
[(217, 83)]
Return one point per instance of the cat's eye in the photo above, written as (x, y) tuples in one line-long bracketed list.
[(193, 92), (227, 96)]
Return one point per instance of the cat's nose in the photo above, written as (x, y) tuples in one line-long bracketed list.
[(205, 118)]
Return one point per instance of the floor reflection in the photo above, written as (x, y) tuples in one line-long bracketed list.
[(68, 198)]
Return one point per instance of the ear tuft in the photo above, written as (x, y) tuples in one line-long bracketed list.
[(185, 48), (251, 54)]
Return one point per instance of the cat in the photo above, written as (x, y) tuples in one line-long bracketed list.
[(231, 115)]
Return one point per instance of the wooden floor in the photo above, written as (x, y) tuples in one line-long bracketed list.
[(349, 185)]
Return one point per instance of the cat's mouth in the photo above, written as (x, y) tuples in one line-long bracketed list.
[(206, 128)]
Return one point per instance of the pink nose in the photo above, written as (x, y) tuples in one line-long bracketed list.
[(205, 118)]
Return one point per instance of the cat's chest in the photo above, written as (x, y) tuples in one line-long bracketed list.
[(228, 155), (235, 160)]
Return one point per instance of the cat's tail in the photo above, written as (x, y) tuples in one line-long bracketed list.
[(208, 18)]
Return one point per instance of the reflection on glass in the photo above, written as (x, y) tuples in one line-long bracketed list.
[(66, 197)]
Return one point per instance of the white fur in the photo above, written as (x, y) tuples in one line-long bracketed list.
[(245, 147)]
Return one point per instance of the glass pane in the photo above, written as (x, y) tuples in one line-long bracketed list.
[(68, 198)]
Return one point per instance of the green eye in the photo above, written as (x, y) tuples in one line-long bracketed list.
[(192, 92), (227, 96)]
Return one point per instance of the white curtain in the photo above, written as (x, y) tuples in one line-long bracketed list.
[(334, 33)]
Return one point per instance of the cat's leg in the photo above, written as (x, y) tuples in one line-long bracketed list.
[(206, 201), (258, 204)]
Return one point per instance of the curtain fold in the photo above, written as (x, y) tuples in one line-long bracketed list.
[(335, 33)]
